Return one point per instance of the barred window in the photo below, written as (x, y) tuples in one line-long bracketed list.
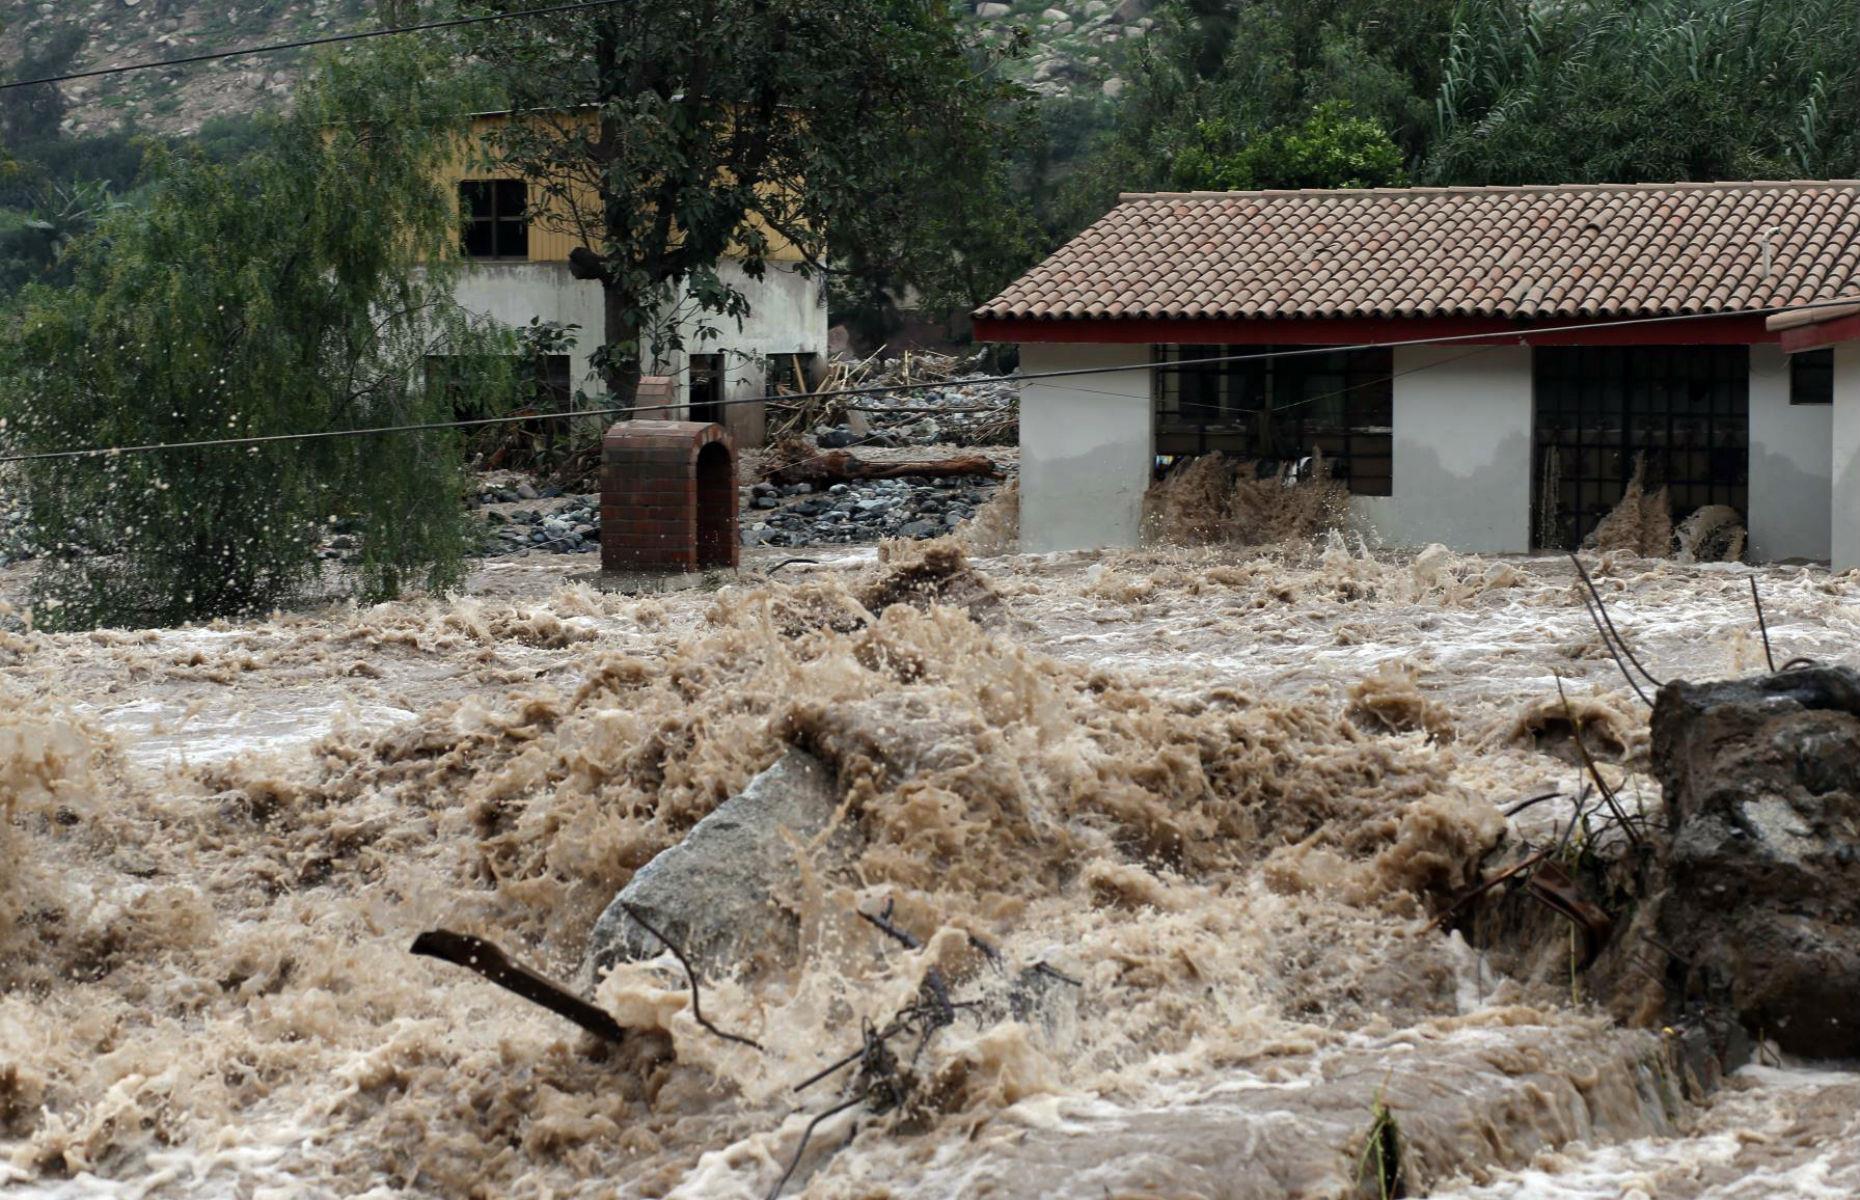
[(1681, 414), (1339, 403)]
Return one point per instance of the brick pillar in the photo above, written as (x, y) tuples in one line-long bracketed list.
[(655, 391), (668, 496)]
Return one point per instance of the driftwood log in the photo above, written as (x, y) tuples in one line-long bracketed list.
[(477, 955), (837, 466)]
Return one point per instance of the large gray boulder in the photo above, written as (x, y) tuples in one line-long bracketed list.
[(720, 893), (1762, 906)]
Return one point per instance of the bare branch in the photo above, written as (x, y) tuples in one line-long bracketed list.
[(1608, 795), (1625, 648), (806, 1135), (691, 975)]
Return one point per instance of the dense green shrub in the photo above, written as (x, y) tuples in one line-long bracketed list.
[(296, 289)]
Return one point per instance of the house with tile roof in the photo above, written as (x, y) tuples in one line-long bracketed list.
[(1483, 366)]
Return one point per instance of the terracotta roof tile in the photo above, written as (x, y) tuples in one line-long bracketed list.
[(1604, 250)]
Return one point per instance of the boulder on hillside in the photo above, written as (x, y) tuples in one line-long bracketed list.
[(1762, 905)]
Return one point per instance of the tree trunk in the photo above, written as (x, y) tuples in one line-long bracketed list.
[(620, 340)]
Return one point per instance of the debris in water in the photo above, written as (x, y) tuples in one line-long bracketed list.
[(1639, 523), (1213, 499), (209, 952), (477, 955), (697, 1011), (1714, 533)]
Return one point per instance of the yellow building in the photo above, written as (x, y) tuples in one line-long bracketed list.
[(517, 245)]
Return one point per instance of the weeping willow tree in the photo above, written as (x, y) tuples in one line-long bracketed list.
[(299, 289), (1648, 90)]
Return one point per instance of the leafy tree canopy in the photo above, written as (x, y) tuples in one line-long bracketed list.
[(1649, 90), (855, 133), (1329, 149), (275, 294), (1249, 93), (1252, 93)]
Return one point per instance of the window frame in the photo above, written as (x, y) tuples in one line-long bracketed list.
[(1212, 407), (508, 233), (1682, 409)]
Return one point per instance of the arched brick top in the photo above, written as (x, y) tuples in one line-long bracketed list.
[(668, 497)]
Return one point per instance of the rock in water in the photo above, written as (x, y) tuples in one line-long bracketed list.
[(719, 892), (1762, 783)]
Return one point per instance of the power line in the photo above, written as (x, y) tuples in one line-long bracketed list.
[(331, 40), (1522, 337)]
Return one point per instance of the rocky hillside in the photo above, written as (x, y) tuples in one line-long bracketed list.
[(55, 36), (1076, 46)]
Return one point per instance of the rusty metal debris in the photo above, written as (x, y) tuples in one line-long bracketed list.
[(1552, 887), (1611, 637)]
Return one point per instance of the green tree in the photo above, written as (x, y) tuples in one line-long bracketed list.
[(862, 133), (33, 241), (1270, 93), (1329, 149), (1649, 90), (295, 289)]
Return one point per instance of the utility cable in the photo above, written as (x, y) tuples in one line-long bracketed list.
[(333, 39), (1522, 337)]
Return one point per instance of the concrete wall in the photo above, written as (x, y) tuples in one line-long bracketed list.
[(788, 315), (514, 293), (1462, 452), (1845, 439), (1086, 448), (1789, 465)]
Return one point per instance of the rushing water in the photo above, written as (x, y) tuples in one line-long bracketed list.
[(1218, 791)]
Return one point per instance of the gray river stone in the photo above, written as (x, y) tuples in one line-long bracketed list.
[(720, 893)]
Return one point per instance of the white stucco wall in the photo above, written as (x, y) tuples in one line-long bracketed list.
[(514, 293), (1462, 447), (1789, 465), (788, 315), (1845, 439), (1086, 448)]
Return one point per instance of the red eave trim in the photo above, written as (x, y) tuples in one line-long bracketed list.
[(1823, 334), (1729, 330)]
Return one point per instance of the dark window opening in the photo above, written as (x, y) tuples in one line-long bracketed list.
[(1811, 377), (706, 400), (790, 372), (495, 213), (540, 383), (716, 507), (1338, 403), (1683, 411)]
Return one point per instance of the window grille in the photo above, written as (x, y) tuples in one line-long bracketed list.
[(1684, 410), (1339, 403)]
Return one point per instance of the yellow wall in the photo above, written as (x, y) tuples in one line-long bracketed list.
[(551, 233)]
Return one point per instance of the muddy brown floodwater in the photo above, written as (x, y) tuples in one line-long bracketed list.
[(1216, 791)]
